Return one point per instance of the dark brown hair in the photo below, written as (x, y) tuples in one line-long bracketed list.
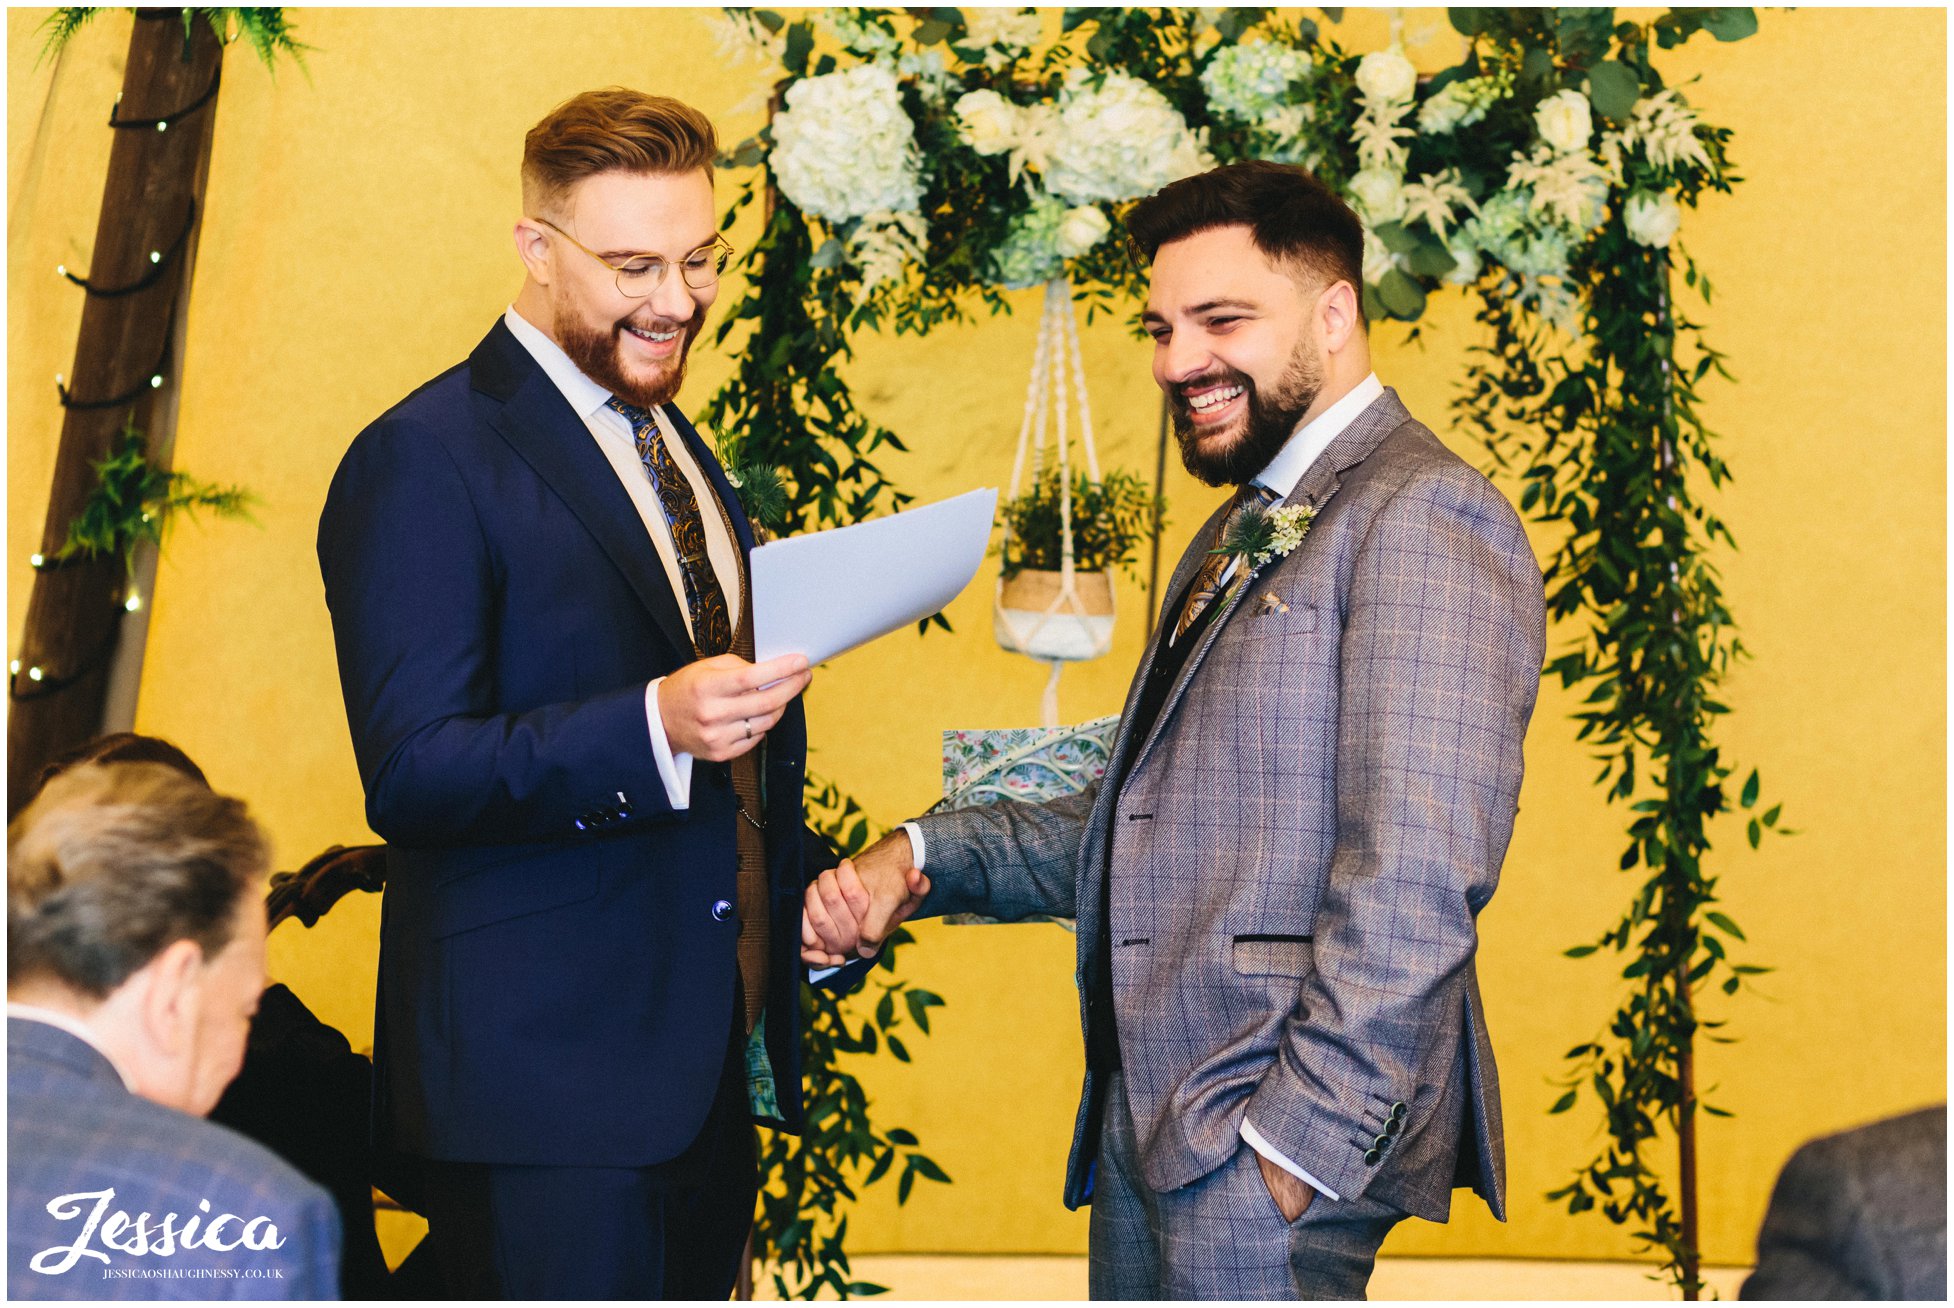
[(1292, 217), (114, 862), (612, 130)]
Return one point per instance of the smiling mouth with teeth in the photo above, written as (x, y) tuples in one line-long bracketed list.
[(657, 338), (1213, 399)]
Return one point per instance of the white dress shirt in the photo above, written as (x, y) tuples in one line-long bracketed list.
[(614, 438), (1301, 450)]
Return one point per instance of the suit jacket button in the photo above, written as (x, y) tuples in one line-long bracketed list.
[(1393, 1126), (722, 909), (1397, 1109), (1382, 1142), (582, 825), (624, 810), (1372, 1155)]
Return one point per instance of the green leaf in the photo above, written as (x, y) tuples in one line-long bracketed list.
[(932, 30), (1431, 259), (1564, 1103), (897, 1048), (1724, 924), (1614, 88), (898, 1135), (885, 1011), (920, 1002), (1750, 789), (1579, 951), (1397, 238), (1467, 22), (799, 44), (1714, 1111), (928, 1168), (1402, 296), (1730, 24), (770, 20)]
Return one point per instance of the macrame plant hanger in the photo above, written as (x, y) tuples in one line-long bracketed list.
[(1067, 628)]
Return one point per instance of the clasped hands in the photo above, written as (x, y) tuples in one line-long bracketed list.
[(851, 909)]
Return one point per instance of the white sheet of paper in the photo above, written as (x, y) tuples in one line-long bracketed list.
[(827, 592)]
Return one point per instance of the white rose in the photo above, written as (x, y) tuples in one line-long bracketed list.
[(1652, 218), (1379, 195), (1386, 77), (1378, 259), (988, 121), (1564, 121), (1081, 229)]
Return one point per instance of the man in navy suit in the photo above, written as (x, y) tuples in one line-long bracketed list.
[(591, 796), (135, 957)]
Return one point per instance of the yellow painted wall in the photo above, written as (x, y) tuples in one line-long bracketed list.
[(356, 242)]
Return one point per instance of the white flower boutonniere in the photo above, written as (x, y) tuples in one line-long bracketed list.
[(1259, 535)]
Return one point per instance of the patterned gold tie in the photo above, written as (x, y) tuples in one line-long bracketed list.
[(712, 633), (1207, 579)]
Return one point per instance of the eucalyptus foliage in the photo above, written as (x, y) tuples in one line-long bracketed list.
[(801, 1232)]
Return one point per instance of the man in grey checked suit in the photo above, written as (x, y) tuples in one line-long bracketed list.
[(1860, 1215), (135, 957), (1306, 807)]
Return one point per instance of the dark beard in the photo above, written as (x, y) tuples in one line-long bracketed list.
[(596, 350), (1272, 420)]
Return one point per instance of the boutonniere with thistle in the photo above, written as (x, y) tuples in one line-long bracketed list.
[(1261, 533)]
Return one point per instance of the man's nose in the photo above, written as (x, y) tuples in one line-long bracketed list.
[(1181, 359), (672, 298)]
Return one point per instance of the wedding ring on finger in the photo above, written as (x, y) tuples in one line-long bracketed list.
[(746, 725)]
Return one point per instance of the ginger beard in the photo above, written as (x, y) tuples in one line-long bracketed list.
[(604, 355), (1221, 458)]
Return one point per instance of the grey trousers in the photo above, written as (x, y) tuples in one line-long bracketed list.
[(1223, 1236)]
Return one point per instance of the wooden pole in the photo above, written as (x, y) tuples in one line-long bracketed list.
[(151, 204)]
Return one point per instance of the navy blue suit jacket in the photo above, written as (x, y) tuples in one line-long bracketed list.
[(76, 1134), (557, 961)]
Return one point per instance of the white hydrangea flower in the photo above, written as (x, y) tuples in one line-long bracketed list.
[(1569, 189), (1652, 218), (1564, 121), (1118, 141), (1665, 128), (844, 147), (884, 245), (1466, 265), (1251, 83), (1386, 77), (1029, 254), (1436, 198)]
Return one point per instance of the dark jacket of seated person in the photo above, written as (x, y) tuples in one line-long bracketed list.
[(135, 959)]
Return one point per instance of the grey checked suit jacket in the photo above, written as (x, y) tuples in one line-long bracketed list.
[(74, 1129), (1303, 842)]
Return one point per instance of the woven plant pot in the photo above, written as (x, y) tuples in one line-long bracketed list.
[(1032, 618)]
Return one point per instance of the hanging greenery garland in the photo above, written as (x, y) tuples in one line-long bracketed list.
[(920, 164)]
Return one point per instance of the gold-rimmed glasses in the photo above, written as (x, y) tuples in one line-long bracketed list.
[(640, 274)]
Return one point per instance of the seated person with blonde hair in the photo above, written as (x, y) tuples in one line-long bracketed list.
[(135, 956)]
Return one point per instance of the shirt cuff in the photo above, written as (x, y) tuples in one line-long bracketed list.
[(675, 770), (1276, 1156), (816, 975), (915, 844)]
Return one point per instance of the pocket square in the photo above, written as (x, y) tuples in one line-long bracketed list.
[(1269, 602)]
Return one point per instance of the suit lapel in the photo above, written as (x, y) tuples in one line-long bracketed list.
[(541, 426), (1315, 488)]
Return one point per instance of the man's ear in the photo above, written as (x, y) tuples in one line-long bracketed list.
[(1337, 315), (533, 248), (172, 994)]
